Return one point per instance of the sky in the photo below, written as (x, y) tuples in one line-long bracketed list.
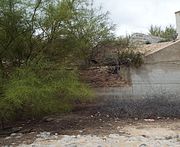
[(131, 16)]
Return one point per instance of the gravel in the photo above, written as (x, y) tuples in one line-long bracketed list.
[(113, 140)]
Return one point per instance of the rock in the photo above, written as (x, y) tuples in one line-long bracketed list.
[(48, 119), (149, 120), (178, 139), (143, 145), (95, 141), (140, 38), (25, 131), (110, 124), (7, 138), (44, 135), (15, 130), (13, 134), (104, 138), (19, 135), (72, 145), (168, 137), (144, 136), (56, 137), (136, 119), (118, 127), (113, 136), (78, 136), (80, 131)]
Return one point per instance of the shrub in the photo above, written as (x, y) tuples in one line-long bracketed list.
[(130, 58), (123, 43), (169, 33), (110, 60), (31, 94), (126, 58)]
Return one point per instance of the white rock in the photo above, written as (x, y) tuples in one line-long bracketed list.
[(13, 134), (136, 119), (44, 135), (149, 120), (118, 127), (7, 138), (113, 135)]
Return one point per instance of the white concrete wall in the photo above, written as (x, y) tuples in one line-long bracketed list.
[(178, 23), (168, 54)]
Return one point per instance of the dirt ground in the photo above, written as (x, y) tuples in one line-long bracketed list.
[(120, 117), (85, 121)]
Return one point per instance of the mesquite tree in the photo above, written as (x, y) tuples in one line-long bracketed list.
[(36, 36)]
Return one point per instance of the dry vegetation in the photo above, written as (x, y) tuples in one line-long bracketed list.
[(101, 77)]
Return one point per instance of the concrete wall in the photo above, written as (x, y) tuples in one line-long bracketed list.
[(178, 23), (168, 54), (148, 80)]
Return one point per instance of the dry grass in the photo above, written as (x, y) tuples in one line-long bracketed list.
[(100, 77)]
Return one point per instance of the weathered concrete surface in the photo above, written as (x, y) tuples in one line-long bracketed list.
[(154, 93), (150, 79), (170, 53), (159, 74), (178, 23)]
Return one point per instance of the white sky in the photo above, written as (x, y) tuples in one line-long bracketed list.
[(132, 16)]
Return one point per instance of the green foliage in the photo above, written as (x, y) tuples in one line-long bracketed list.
[(28, 95), (110, 60), (121, 43), (169, 33), (60, 31), (130, 58), (127, 58), (124, 54), (155, 30), (74, 28), (13, 31)]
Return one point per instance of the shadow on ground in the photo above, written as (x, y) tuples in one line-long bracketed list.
[(150, 106)]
